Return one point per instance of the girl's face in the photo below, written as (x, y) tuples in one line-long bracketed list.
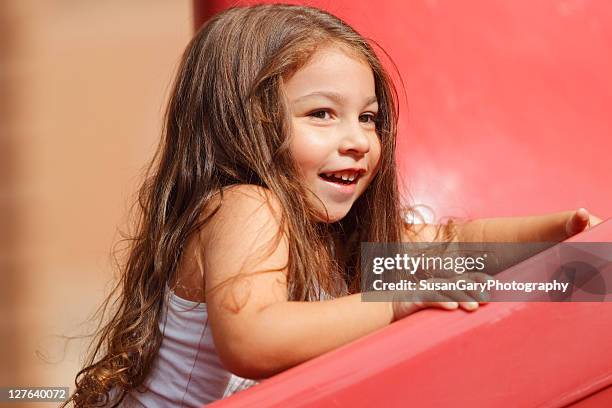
[(333, 108)]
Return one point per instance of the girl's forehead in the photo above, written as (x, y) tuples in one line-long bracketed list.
[(333, 66), (329, 51), (335, 52)]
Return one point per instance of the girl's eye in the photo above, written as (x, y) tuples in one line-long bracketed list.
[(320, 114), (372, 118)]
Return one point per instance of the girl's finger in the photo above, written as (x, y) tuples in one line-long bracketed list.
[(478, 296), (443, 305), (469, 306), (458, 296), (480, 277), (481, 296), (436, 299), (578, 222), (463, 299), (465, 302)]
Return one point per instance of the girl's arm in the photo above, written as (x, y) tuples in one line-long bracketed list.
[(256, 331), (549, 228), (553, 227)]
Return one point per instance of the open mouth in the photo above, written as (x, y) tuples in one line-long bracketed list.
[(341, 178)]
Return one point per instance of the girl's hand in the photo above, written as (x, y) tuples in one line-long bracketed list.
[(449, 300), (580, 221)]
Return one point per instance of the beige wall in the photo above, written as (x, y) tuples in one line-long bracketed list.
[(83, 86)]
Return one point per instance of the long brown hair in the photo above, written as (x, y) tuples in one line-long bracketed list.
[(226, 123)]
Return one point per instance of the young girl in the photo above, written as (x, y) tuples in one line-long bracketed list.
[(277, 161)]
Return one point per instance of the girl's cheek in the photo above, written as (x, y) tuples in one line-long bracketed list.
[(310, 151), (312, 143)]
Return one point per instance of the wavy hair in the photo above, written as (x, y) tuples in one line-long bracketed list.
[(226, 123)]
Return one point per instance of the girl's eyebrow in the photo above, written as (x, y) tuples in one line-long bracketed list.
[(334, 96)]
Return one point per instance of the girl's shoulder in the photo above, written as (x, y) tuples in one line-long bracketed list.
[(243, 212), (237, 221), (245, 191), (242, 200)]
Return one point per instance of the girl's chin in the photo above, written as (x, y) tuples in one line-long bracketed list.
[(333, 215), (336, 211)]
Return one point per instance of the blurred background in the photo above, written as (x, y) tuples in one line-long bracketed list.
[(82, 88), (505, 110)]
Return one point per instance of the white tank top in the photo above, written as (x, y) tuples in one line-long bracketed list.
[(187, 371)]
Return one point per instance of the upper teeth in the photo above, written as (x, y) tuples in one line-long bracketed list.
[(344, 175)]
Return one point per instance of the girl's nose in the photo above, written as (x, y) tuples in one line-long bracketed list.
[(355, 140)]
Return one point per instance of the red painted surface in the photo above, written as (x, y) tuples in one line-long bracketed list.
[(600, 399)]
